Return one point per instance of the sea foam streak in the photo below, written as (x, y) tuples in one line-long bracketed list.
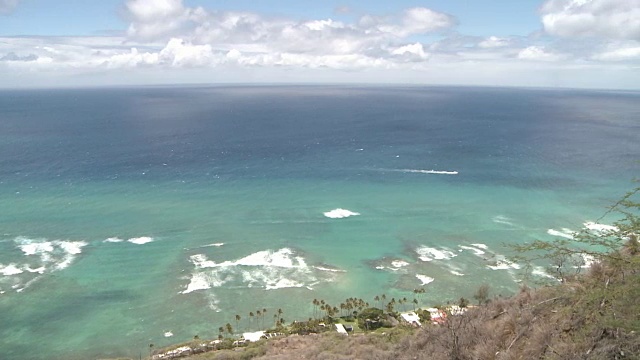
[(565, 233), (435, 172), (266, 269), (340, 213), (501, 219)]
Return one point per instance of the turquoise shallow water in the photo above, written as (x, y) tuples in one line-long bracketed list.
[(130, 213)]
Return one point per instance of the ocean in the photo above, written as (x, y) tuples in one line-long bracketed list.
[(150, 215)]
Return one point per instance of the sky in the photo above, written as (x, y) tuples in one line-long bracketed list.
[(530, 43)]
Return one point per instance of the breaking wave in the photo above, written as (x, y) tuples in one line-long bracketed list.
[(340, 213), (264, 269), (141, 240), (600, 229), (476, 250), (426, 253), (502, 263), (424, 279), (40, 257)]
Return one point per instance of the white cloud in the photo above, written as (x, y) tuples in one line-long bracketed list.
[(537, 53), (413, 21), (7, 6), (411, 52), (616, 19), (493, 42), (159, 19), (620, 54), (131, 59), (180, 53)]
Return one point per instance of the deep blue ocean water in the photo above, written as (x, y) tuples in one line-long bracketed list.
[(131, 214)]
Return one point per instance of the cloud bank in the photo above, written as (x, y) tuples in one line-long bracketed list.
[(419, 45)]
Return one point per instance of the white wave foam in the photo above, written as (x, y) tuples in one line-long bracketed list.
[(399, 263), (456, 273), (141, 240), (113, 240), (481, 246), (39, 270), (565, 233), (503, 263), (213, 302), (501, 219), (282, 283), (32, 247), (474, 249), (10, 270), (201, 261), (600, 228), (281, 258), (540, 271), (426, 253), (588, 260), (43, 256), (213, 245), (168, 334), (71, 247), (425, 279), (340, 213), (329, 269), (435, 172), (198, 281), (267, 269)]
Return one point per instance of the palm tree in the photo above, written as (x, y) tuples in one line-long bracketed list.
[(315, 307), (238, 318), (258, 315), (229, 329), (264, 312), (377, 299), (250, 319)]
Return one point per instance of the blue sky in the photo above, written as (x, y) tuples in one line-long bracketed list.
[(567, 43)]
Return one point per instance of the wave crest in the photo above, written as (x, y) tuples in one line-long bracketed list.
[(41, 256), (340, 213), (265, 269)]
